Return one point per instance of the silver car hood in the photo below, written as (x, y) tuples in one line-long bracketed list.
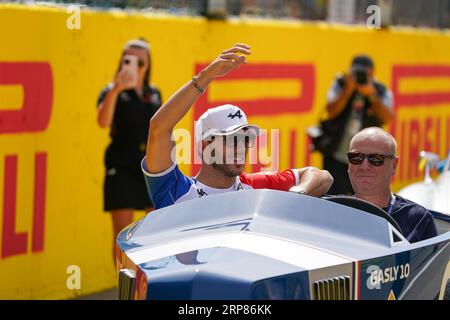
[(301, 230)]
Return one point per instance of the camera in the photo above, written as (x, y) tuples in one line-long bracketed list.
[(360, 76)]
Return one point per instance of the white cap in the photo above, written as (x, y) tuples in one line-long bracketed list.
[(221, 121)]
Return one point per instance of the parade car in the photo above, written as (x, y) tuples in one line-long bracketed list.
[(267, 244)]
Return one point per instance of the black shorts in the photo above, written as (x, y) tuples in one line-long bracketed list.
[(125, 189)]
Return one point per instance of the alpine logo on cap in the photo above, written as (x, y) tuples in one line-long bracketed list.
[(237, 114), (201, 193)]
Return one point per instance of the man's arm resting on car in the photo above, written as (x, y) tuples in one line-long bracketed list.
[(313, 181)]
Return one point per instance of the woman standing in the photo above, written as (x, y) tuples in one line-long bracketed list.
[(126, 107)]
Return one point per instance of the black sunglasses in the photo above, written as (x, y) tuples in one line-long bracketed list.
[(238, 139), (374, 159)]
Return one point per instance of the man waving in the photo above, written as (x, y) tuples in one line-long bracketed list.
[(223, 138)]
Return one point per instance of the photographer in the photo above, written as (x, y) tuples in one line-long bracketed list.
[(355, 101)]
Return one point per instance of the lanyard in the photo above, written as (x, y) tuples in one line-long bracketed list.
[(391, 204)]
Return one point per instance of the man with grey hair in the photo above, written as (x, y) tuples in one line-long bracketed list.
[(371, 181)]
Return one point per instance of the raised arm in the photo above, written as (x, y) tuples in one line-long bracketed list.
[(105, 111), (337, 105), (159, 143), (383, 111), (381, 105)]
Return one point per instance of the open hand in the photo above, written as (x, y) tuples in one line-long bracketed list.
[(229, 60)]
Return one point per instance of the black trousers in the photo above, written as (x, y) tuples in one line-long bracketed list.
[(339, 171)]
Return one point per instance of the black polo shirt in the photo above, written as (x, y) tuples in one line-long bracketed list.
[(416, 222), (129, 129)]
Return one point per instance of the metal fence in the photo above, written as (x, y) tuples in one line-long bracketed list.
[(288, 9), (417, 13)]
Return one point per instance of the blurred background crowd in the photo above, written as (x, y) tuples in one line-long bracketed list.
[(416, 13)]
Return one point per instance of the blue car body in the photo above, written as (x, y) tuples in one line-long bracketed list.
[(266, 244)]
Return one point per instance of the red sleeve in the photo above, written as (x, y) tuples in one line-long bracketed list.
[(270, 180)]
